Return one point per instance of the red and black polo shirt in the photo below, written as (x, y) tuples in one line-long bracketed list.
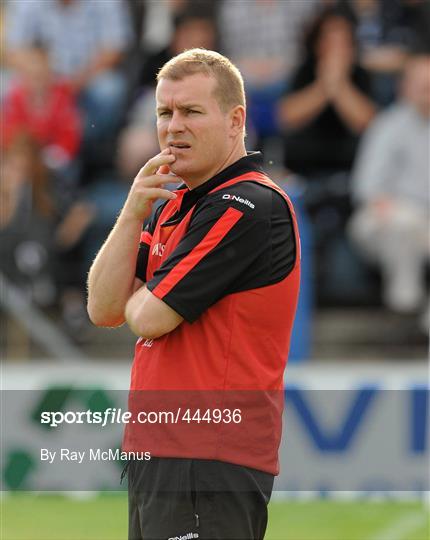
[(253, 246), (225, 256)]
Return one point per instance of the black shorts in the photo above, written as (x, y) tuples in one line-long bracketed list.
[(186, 499)]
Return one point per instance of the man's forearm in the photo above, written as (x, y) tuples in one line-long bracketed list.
[(112, 274), (149, 317), (111, 280)]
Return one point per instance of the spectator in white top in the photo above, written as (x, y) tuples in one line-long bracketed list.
[(391, 186), (87, 42)]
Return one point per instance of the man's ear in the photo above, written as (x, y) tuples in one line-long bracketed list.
[(237, 119)]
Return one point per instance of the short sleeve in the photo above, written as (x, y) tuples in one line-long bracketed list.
[(223, 241)]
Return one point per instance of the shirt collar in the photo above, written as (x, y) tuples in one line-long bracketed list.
[(187, 198), (251, 162)]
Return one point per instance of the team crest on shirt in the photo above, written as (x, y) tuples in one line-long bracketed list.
[(158, 249)]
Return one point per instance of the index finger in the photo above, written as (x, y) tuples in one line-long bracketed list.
[(154, 163)]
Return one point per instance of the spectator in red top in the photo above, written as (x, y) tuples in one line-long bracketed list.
[(44, 107), (88, 43)]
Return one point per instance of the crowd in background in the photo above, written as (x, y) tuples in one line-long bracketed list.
[(338, 101)]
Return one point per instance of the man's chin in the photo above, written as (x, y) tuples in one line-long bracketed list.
[(180, 169)]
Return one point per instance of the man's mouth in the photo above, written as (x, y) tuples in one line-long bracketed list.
[(180, 145)]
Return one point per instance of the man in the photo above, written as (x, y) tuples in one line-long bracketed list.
[(211, 292)]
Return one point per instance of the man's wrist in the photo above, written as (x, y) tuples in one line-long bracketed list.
[(127, 216), (129, 219)]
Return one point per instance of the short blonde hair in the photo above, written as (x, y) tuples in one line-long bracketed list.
[(229, 91)]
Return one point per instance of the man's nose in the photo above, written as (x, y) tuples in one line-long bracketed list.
[(176, 123)]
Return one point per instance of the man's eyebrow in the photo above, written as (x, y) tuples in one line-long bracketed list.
[(189, 106), (182, 106)]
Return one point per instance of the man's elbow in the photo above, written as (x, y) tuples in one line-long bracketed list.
[(148, 317), (102, 318), (146, 330), (151, 333), (145, 327)]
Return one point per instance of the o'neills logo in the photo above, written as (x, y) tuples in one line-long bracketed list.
[(188, 536), (238, 199)]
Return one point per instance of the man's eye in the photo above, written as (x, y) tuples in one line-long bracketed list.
[(193, 111), (164, 113)]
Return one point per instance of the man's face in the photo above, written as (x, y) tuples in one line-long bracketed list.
[(191, 123)]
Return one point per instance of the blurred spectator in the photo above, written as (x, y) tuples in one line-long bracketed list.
[(39, 240), (28, 211), (193, 27), (87, 42), (391, 185), (407, 23), (381, 33), (386, 30), (323, 116), (328, 105), (44, 107), (157, 24), (262, 39), (5, 72)]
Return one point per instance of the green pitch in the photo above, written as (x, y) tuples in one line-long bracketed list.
[(29, 517)]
